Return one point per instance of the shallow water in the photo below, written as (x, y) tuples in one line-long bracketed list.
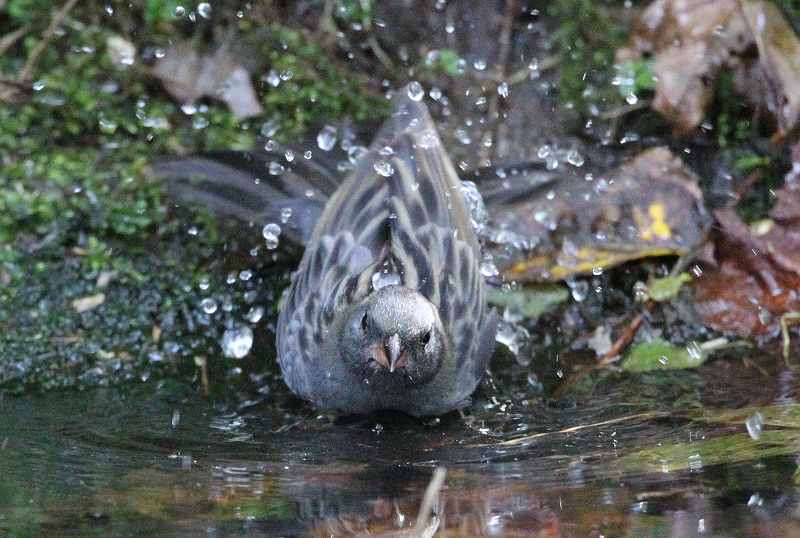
[(632, 456)]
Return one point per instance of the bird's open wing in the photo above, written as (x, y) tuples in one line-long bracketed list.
[(259, 185)]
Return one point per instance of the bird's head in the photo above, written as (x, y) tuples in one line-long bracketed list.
[(394, 334)]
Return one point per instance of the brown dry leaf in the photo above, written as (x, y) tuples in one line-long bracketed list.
[(778, 61), (89, 302), (787, 206), (758, 278), (189, 75), (649, 206), (691, 40)]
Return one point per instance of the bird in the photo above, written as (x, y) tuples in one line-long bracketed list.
[(387, 309)]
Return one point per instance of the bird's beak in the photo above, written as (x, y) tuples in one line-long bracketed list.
[(393, 351), (390, 354)]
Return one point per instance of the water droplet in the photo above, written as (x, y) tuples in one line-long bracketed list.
[(107, 126), (276, 168), (382, 279), (479, 65), (180, 11), (755, 425), (208, 305), (272, 78), (307, 155), (579, 289), (502, 90), (488, 269), (289, 155), (383, 168), (694, 350), (631, 99), (415, 91), (597, 270), (269, 128), (255, 314), (435, 93), (204, 284), (204, 9), (354, 153), (477, 209), (544, 151), (462, 136), (237, 341), (245, 275), (574, 158), (271, 233), (176, 418), (514, 337), (326, 138), (286, 214)]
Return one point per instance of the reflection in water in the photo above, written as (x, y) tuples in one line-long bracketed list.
[(622, 462)]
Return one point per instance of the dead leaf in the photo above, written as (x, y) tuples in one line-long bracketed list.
[(649, 206), (778, 60), (692, 40), (758, 276), (89, 302), (121, 51), (600, 341), (787, 206), (189, 75), (105, 278)]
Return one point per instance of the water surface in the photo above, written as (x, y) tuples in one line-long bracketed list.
[(667, 455)]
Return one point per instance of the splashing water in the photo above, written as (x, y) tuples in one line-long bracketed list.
[(271, 233), (237, 341), (326, 138)]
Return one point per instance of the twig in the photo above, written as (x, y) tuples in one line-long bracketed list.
[(524, 74), (8, 40), (618, 112), (789, 318), (573, 429), (379, 53), (744, 188), (623, 341), (502, 61), (38, 50), (612, 355), (430, 499)]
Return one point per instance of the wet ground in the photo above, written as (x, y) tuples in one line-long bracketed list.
[(705, 453)]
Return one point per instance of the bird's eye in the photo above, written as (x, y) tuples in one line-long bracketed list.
[(426, 338), (364, 322)]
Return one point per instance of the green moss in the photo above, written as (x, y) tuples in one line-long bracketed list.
[(76, 199), (588, 34), (318, 88), (792, 8)]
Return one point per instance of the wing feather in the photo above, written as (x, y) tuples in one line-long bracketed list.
[(413, 220)]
